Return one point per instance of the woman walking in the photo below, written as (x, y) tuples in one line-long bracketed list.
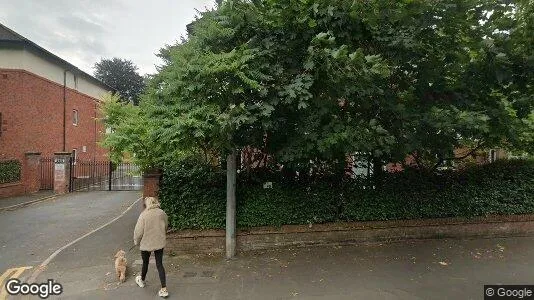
[(150, 234)]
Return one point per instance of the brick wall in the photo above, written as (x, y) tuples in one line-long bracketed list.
[(213, 241), (32, 112), (12, 189), (29, 178), (32, 118)]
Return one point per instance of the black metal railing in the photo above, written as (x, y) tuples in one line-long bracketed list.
[(104, 176), (125, 177), (46, 169)]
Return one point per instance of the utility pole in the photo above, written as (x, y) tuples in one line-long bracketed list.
[(230, 204)]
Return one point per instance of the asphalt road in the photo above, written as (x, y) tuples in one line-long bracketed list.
[(31, 234), (87, 266)]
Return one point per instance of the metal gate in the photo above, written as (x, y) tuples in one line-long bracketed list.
[(46, 169), (104, 176)]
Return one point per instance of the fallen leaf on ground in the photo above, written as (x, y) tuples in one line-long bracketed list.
[(443, 263)]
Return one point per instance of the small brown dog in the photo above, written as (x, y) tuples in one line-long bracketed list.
[(120, 265)]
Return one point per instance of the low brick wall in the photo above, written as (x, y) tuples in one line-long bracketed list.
[(12, 189), (30, 179), (213, 241)]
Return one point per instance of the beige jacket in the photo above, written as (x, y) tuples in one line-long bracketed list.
[(151, 228)]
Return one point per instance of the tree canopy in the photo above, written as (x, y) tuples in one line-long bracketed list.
[(309, 82), (122, 75)]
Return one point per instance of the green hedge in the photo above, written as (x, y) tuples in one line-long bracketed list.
[(194, 196), (9, 171), (505, 187)]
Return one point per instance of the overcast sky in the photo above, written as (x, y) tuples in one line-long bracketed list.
[(84, 31)]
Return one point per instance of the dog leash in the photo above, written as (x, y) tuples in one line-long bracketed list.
[(131, 248)]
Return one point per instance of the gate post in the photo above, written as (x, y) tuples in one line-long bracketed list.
[(31, 172), (151, 180), (62, 172), (110, 173)]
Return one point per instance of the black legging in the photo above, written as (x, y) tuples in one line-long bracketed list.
[(159, 264)]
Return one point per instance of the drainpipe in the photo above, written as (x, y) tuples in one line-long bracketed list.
[(64, 110), (95, 132)]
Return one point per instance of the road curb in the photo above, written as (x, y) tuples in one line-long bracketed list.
[(21, 205)]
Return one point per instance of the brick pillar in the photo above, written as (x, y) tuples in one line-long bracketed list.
[(151, 181), (61, 172), (31, 172)]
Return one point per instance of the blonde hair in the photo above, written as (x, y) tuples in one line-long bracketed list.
[(151, 202)]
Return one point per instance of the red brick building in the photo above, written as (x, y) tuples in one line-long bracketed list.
[(47, 105)]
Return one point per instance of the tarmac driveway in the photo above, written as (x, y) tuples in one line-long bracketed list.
[(31, 234)]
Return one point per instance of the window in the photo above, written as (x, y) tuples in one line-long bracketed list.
[(74, 155), (75, 82), (75, 117)]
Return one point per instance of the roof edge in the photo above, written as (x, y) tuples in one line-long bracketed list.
[(71, 67)]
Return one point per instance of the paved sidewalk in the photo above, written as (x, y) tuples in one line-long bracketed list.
[(10, 201), (432, 269)]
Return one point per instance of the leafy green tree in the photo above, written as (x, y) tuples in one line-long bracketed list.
[(122, 75), (128, 131), (522, 62), (311, 81)]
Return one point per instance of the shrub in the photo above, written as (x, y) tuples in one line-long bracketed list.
[(9, 171), (194, 196), (505, 187), (285, 204)]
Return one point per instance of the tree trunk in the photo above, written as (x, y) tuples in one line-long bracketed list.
[(230, 205), (377, 172)]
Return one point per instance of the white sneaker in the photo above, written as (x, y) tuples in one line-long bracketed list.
[(139, 281), (163, 293)]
